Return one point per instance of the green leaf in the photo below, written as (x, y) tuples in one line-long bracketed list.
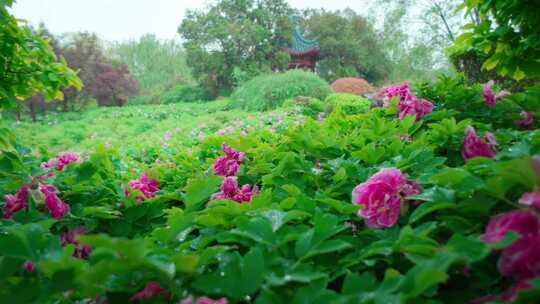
[(199, 190), (427, 208)]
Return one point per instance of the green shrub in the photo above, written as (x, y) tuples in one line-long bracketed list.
[(308, 106), (189, 93), (143, 100), (349, 103), (268, 92)]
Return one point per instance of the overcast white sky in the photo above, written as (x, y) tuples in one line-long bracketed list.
[(129, 19)]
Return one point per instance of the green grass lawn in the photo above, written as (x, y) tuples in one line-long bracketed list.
[(139, 127)]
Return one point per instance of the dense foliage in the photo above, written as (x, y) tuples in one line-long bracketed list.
[(184, 93), (157, 65), (508, 33), (28, 64), (348, 103), (106, 226), (268, 92), (349, 44)]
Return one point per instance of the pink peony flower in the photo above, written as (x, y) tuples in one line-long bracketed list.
[(381, 197), (402, 91), (531, 199), (243, 133), (230, 190), (151, 290), (523, 222), (167, 136), (489, 97), (474, 146), (29, 266), (521, 259), (415, 107), (15, 202), (527, 119), (60, 161), (408, 103), (66, 158), (147, 186), (54, 204), (204, 300), (226, 167), (69, 237), (229, 164), (48, 165)]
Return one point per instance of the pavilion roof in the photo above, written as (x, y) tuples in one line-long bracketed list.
[(300, 44)]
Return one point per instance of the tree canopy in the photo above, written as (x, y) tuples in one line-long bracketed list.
[(235, 37), (28, 64), (350, 45)]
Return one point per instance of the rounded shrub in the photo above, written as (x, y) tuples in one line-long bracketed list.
[(184, 93), (349, 103), (268, 92), (351, 85)]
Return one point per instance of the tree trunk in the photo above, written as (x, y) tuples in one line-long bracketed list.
[(32, 106)]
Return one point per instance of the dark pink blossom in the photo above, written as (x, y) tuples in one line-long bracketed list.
[(204, 300), (15, 202), (521, 259), (48, 165), (231, 191), (147, 186), (527, 119), (54, 204), (226, 167), (522, 222), (402, 91), (381, 197), (489, 96), (69, 237), (29, 266), (414, 106), (409, 105), (229, 164), (531, 199), (60, 161), (151, 290), (474, 146), (66, 158)]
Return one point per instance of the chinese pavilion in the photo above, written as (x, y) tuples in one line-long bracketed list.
[(304, 52)]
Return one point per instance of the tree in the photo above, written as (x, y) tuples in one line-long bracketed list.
[(414, 37), (109, 83), (28, 64), (83, 51), (507, 33), (112, 85), (349, 45), (235, 34), (157, 65)]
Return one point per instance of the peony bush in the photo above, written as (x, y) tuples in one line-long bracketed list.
[(420, 201)]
